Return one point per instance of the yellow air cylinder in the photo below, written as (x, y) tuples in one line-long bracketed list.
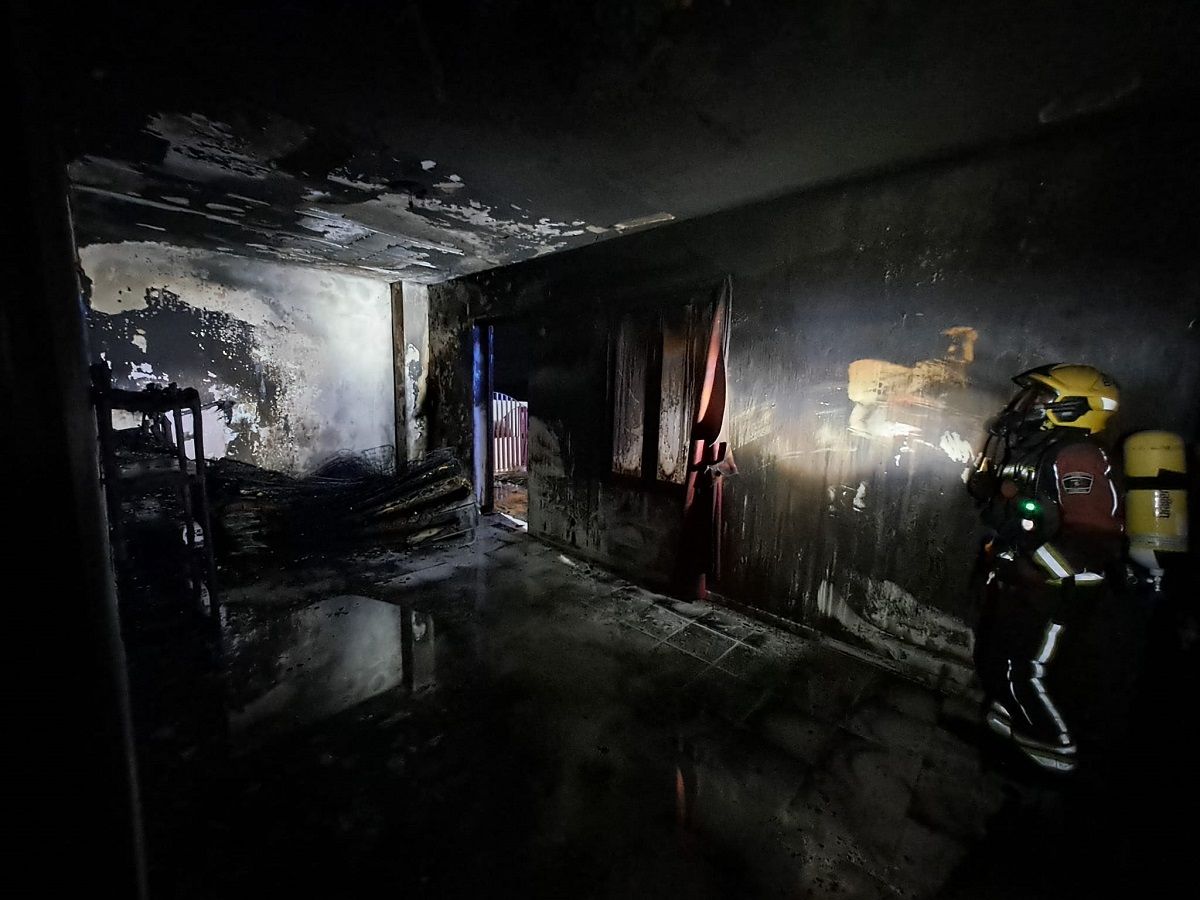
[(1156, 497)]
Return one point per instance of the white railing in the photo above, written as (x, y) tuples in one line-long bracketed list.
[(510, 434)]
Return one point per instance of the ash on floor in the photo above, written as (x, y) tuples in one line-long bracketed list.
[(503, 720)]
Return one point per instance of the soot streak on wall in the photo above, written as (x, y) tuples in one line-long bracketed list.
[(875, 328), (294, 364)]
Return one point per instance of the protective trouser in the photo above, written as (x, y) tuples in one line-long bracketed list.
[(1016, 644)]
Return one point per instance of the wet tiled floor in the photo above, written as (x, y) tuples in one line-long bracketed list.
[(502, 720)]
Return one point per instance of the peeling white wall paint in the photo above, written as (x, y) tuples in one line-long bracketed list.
[(153, 204), (956, 447), (201, 147), (860, 496), (461, 229), (424, 231), (326, 335), (216, 431)]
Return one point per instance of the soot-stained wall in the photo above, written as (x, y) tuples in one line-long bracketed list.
[(875, 328), (295, 364)]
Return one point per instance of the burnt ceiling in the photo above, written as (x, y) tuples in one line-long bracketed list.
[(426, 140)]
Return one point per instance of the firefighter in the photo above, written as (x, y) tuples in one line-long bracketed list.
[(1055, 523)]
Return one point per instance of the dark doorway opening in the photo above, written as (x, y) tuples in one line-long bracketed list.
[(508, 419)]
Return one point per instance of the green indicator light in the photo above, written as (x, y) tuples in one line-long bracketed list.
[(1029, 506)]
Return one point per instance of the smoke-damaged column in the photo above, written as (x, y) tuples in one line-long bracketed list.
[(410, 335)]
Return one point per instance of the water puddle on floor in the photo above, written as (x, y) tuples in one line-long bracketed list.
[(516, 723), (286, 669)]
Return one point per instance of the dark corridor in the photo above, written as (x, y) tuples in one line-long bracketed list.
[(512, 361)]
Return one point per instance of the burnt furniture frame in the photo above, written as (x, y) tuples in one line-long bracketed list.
[(159, 407)]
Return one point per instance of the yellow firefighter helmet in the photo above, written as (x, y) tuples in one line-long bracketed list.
[(1078, 396)]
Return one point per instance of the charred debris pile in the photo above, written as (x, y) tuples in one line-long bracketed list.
[(353, 499)]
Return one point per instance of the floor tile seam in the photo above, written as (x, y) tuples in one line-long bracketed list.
[(717, 662), (722, 634), (669, 636), (736, 642)]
